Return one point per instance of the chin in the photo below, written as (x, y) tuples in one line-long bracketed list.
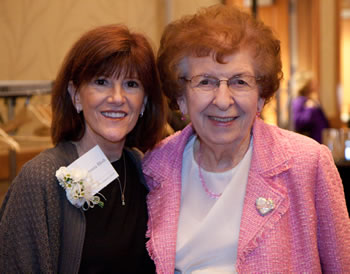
[(114, 139)]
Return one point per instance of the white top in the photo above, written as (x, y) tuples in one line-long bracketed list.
[(208, 231)]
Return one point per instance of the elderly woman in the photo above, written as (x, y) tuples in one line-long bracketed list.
[(107, 93), (230, 193)]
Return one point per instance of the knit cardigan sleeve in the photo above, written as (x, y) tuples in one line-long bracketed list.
[(30, 219)]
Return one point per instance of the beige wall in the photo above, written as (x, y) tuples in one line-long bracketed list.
[(329, 59), (345, 68), (36, 34)]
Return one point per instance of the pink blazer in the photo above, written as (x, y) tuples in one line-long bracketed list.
[(309, 229)]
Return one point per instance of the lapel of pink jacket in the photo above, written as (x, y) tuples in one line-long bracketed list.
[(163, 175), (270, 158)]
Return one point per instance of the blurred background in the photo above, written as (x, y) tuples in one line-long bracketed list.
[(36, 35)]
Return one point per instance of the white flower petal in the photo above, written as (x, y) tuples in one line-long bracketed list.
[(61, 173), (78, 187)]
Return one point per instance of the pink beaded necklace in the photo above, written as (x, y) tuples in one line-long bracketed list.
[(201, 178)]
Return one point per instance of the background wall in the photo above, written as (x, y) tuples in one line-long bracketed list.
[(35, 35), (345, 67)]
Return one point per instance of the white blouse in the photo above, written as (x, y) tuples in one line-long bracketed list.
[(208, 230)]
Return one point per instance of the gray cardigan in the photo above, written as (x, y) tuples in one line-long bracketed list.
[(40, 231)]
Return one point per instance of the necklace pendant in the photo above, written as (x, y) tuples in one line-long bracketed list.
[(123, 200)]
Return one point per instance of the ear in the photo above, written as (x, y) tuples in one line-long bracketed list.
[(182, 102), (261, 103), (75, 96)]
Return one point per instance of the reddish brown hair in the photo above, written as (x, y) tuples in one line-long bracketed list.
[(219, 30), (109, 50)]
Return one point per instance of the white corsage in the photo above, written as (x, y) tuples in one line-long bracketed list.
[(77, 183)]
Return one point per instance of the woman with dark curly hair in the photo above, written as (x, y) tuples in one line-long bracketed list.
[(230, 193)]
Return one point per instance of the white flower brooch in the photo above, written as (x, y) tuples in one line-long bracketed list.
[(77, 183)]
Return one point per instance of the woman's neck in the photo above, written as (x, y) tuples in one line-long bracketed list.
[(113, 151), (219, 158)]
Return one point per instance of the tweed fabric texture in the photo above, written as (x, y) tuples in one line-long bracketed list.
[(309, 228), (40, 231), (31, 215)]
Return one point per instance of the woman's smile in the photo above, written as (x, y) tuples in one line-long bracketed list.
[(114, 114), (222, 119)]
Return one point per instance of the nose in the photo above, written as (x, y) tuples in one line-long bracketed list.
[(223, 96), (117, 94)]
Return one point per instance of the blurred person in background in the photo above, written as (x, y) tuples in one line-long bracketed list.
[(307, 114)]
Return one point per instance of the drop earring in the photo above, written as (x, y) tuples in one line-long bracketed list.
[(143, 106), (78, 108), (258, 113)]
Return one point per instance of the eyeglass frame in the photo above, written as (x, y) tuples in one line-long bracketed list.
[(218, 82)]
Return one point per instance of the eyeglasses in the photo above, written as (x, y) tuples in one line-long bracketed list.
[(238, 83)]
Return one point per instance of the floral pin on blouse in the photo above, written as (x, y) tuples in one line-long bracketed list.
[(85, 177), (77, 184)]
